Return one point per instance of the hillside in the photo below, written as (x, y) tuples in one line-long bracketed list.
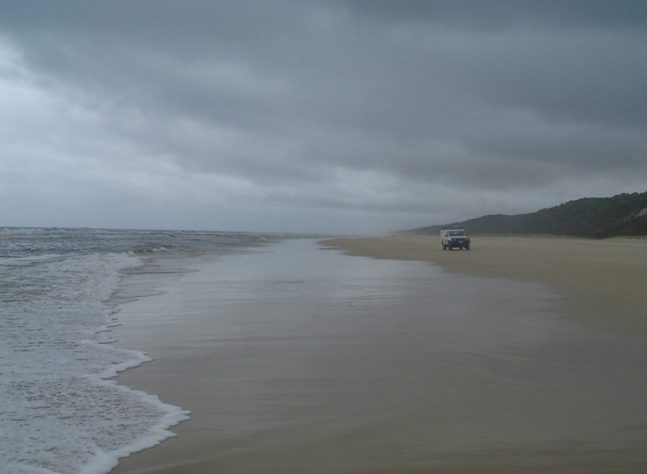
[(623, 214)]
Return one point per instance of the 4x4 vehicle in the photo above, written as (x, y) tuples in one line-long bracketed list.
[(454, 238)]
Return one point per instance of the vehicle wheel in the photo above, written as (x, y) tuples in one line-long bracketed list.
[(467, 248)]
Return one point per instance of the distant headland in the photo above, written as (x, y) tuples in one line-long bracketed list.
[(620, 215)]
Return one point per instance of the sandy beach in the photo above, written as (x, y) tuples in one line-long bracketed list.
[(603, 280), (298, 359)]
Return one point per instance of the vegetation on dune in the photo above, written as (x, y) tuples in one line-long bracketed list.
[(620, 215)]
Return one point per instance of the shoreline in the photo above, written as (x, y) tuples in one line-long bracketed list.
[(338, 364), (602, 281)]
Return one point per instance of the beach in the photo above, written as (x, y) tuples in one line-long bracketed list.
[(602, 280), (296, 358)]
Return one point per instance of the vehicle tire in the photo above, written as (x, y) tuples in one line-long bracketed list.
[(467, 247)]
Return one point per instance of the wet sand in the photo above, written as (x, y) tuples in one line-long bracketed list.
[(604, 280), (300, 360)]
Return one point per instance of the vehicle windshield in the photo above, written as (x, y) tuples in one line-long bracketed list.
[(456, 233)]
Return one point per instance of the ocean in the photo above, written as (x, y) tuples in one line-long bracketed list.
[(61, 291)]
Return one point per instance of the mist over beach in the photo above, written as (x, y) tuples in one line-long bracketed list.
[(323, 236)]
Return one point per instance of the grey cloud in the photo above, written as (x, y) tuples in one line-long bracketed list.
[(489, 14), (470, 98)]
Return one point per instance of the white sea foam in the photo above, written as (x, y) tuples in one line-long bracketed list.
[(60, 412)]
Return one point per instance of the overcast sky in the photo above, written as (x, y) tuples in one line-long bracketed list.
[(323, 116)]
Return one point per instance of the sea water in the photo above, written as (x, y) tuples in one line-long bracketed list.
[(60, 293)]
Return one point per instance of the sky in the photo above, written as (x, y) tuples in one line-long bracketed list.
[(324, 116)]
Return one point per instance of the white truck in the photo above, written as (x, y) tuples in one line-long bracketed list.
[(454, 238)]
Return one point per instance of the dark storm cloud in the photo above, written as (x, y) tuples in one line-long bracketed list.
[(501, 13), (394, 108)]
